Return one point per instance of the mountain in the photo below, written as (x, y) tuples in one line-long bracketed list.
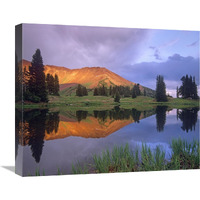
[(90, 127), (88, 76)]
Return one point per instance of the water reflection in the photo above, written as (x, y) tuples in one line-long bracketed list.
[(118, 114), (31, 131), (81, 129), (188, 117), (81, 114), (52, 122), (160, 117)]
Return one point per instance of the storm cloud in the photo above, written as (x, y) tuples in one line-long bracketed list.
[(138, 55), (173, 69), (76, 46)]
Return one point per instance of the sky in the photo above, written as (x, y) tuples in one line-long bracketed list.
[(138, 55)]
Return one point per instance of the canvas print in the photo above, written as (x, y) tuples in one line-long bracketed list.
[(104, 100)]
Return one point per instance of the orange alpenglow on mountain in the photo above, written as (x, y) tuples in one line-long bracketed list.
[(90, 128), (89, 76)]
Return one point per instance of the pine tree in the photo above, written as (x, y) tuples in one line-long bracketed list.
[(79, 91), (56, 85), (51, 85), (134, 92), (177, 92), (84, 91), (117, 97), (96, 92), (110, 90), (127, 91), (48, 83), (188, 89), (137, 90), (36, 84), (160, 89)]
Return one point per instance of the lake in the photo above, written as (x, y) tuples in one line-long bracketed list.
[(49, 140)]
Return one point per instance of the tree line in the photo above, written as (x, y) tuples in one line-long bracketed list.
[(188, 89), (37, 86), (81, 91), (124, 91)]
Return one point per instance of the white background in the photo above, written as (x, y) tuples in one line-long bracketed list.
[(169, 14)]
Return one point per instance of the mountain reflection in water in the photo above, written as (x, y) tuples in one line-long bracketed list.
[(40, 125)]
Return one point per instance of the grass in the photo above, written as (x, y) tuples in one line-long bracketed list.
[(69, 100), (140, 103), (184, 155), (122, 159)]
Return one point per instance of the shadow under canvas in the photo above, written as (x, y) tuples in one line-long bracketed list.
[(10, 168)]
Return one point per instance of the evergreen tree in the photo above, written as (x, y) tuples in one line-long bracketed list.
[(177, 92), (194, 89), (160, 117), (84, 91), (127, 91), (160, 89), (137, 90), (117, 97), (188, 89), (36, 84), (56, 85), (51, 84), (48, 83), (134, 92), (110, 90), (96, 92), (79, 91)]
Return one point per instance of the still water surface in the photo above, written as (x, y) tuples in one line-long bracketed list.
[(53, 140)]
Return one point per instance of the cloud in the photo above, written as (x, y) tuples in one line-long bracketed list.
[(193, 44), (157, 50), (76, 46), (173, 69), (156, 53)]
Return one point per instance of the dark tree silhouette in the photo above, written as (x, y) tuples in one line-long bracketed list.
[(36, 133), (96, 92), (56, 85), (52, 122), (136, 115), (81, 114), (160, 117), (177, 92), (81, 91), (160, 89), (134, 92), (189, 118), (36, 83), (188, 89), (117, 97), (127, 91)]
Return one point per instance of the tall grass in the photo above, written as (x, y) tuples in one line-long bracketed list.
[(152, 160), (122, 159), (184, 155)]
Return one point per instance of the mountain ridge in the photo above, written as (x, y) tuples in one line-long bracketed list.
[(89, 77)]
